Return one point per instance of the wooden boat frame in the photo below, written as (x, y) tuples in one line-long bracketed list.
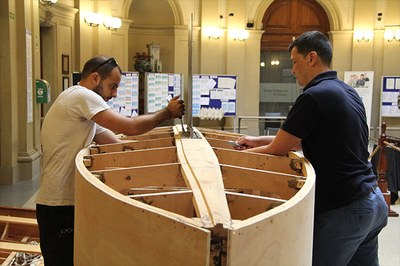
[(164, 199), (18, 227)]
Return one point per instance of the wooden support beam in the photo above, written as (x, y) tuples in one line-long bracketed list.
[(133, 145), (18, 220), (245, 178), (139, 176), (132, 158), (255, 160), (20, 247)]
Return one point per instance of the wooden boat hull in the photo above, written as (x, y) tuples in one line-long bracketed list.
[(165, 205)]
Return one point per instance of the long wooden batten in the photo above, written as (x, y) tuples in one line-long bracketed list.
[(165, 199)]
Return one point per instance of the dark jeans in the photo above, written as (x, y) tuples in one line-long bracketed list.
[(349, 235), (56, 226)]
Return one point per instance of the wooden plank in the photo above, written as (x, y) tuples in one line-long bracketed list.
[(201, 170), (245, 178), (281, 236), (18, 212), (219, 143), (19, 247), (149, 136), (133, 158), (132, 233), (133, 145), (209, 132), (255, 160), (18, 220), (152, 175), (245, 206), (179, 202)]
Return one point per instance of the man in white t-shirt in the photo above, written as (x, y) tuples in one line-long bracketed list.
[(79, 116)]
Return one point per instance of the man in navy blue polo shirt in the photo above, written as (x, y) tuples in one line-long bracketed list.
[(328, 120)]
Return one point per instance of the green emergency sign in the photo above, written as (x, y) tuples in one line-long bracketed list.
[(42, 91)]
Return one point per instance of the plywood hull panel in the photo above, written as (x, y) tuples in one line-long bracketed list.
[(192, 201)]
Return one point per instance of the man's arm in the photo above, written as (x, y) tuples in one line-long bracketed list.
[(140, 124), (280, 145), (106, 137)]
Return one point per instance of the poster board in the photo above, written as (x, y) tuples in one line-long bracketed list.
[(214, 91), (127, 100), (390, 94), (362, 82), (160, 88)]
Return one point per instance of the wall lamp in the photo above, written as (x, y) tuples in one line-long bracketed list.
[(112, 23), (48, 2), (363, 35), (93, 19), (391, 35), (275, 62), (213, 33), (240, 35)]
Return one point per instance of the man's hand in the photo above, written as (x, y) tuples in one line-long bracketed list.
[(176, 107), (246, 142)]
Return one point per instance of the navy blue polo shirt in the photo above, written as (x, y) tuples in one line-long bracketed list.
[(329, 118)]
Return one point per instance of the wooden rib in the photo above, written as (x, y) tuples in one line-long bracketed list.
[(134, 145), (243, 206), (255, 160), (133, 158), (210, 132), (255, 196), (151, 175), (34, 249), (219, 143), (246, 178), (18, 220), (201, 170), (158, 194), (179, 202), (149, 136)]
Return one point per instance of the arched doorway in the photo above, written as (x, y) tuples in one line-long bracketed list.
[(283, 21)]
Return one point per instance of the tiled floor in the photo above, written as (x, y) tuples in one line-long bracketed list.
[(23, 194)]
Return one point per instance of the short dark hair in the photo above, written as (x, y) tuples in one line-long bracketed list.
[(313, 41), (100, 64)]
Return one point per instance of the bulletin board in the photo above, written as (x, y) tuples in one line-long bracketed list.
[(214, 91), (160, 88), (390, 96), (362, 82), (127, 100)]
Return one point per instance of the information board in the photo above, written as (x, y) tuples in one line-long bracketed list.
[(362, 82), (390, 96), (214, 93), (160, 88), (127, 100)]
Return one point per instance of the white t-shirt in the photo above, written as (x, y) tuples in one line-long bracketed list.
[(67, 128)]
